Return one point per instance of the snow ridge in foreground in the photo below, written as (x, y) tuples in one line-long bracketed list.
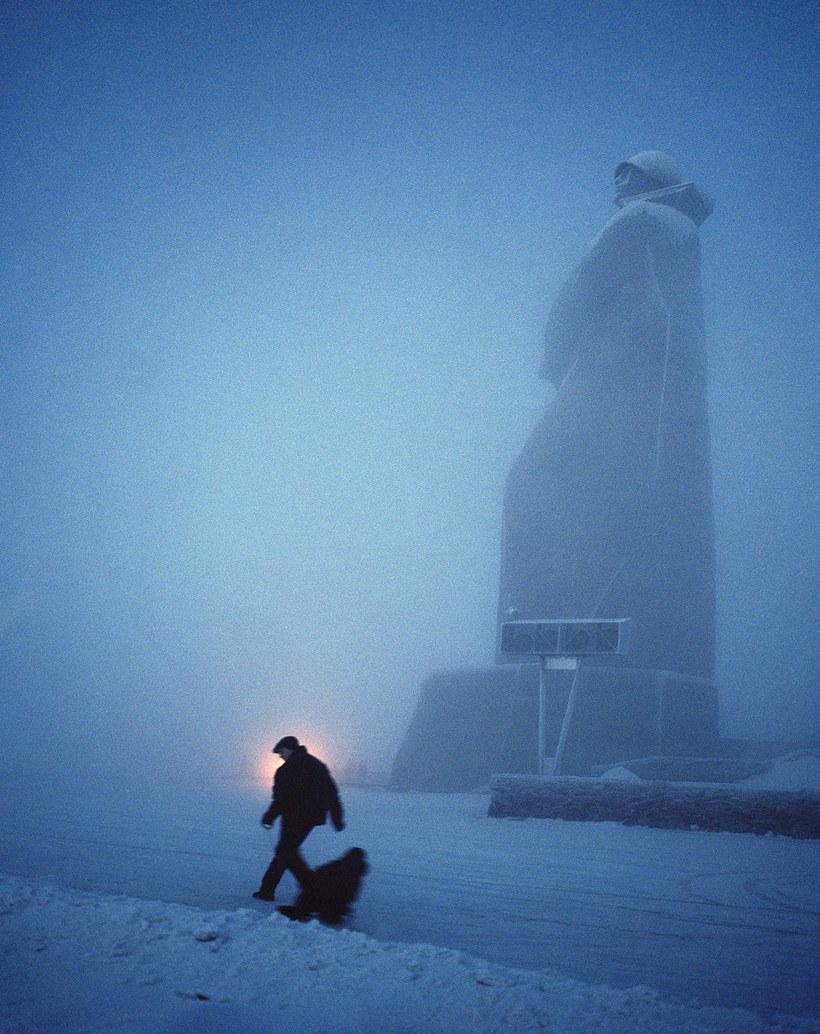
[(80, 962)]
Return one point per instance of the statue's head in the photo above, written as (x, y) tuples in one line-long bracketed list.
[(644, 173), (654, 176)]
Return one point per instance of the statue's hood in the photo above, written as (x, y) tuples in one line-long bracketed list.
[(687, 198)]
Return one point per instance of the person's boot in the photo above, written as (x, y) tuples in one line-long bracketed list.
[(270, 881)]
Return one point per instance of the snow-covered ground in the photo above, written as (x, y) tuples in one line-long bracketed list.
[(128, 909)]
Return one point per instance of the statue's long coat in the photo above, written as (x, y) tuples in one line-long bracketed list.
[(608, 508)]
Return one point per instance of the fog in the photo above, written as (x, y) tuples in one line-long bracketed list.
[(275, 278)]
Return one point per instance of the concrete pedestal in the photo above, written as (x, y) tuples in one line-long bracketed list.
[(470, 724)]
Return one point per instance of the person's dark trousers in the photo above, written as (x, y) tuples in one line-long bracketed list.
[(287, 856)]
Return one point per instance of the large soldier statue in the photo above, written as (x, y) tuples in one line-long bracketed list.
[(608, 508), (607, 511)]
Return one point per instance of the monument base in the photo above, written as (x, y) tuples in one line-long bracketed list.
[(470, 724)]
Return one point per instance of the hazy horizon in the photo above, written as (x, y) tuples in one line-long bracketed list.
[(275, 280)]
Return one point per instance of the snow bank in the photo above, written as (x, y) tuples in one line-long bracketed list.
[(734, 808), (798, 771), (82, 963), (688, 770)]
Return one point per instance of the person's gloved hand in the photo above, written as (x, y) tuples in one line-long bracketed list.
[(266, 820), (339, 825)]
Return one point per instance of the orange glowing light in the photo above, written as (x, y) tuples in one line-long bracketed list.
[(268, 764)]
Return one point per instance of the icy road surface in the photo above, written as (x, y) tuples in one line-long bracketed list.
[(717, 918)]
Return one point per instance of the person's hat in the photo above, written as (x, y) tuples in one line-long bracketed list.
[(287, 742)]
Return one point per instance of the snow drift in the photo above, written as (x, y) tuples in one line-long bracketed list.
[(82, 963)]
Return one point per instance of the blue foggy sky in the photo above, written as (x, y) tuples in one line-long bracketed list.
[(274, 283)]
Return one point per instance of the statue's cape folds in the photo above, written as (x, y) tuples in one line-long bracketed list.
[(644, 262)]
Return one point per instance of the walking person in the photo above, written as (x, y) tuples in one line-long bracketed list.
[(303, 794)]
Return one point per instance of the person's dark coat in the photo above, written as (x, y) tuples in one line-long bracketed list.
[(304, 793)]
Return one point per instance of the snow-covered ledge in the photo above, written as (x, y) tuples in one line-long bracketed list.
[(663, 805)]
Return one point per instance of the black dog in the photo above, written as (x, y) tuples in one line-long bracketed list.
[(331, 890)]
